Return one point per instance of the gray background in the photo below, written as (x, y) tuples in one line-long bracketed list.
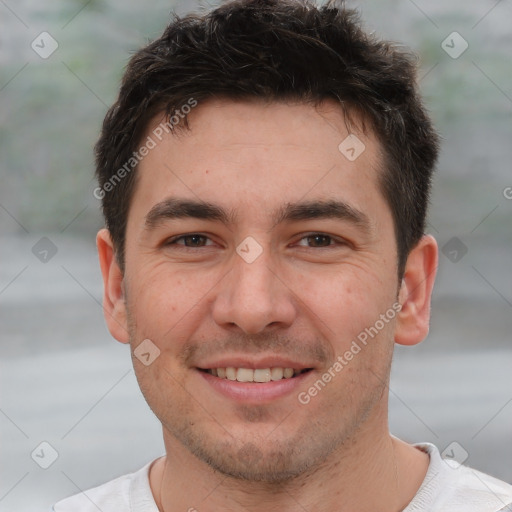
[(65, 381)]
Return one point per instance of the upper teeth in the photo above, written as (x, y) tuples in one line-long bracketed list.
[(250, 375)]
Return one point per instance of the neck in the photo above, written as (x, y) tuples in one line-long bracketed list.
[(372, 471)]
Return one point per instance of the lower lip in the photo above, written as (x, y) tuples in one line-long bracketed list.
[(255, 392)]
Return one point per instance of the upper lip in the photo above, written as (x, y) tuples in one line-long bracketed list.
[(254, 363)]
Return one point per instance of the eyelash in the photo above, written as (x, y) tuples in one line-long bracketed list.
[(174, 240)]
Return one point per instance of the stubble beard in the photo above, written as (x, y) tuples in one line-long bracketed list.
[(272, 459)]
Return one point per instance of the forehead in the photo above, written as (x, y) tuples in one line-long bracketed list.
[(254, 156)]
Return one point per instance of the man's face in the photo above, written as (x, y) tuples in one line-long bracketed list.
[(295, 259)]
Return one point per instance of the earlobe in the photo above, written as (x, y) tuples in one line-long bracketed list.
[(114, 305), (416, 291)]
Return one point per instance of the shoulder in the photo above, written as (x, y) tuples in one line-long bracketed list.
[(127, 493), (487, 493), (451, 486)]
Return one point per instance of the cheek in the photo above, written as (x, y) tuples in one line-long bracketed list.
[(345, 302), (167, 305)]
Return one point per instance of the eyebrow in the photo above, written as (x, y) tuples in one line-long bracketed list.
[(176, 208)]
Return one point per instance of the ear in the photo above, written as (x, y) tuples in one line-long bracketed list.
[(114, 305), (416, 291)]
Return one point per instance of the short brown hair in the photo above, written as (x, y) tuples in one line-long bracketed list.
[(277, 50)]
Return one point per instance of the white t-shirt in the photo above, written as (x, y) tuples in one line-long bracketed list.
[(447, 487)]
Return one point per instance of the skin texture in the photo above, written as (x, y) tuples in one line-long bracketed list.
[(303, 298)]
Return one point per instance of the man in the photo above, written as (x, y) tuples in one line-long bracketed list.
[(264, 176)]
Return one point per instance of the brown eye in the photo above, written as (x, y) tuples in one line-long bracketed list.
[(317, 240), (193, 240)]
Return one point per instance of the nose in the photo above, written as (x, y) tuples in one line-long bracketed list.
[(254, 296)]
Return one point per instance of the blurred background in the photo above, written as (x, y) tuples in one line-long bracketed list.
[(66, 382)]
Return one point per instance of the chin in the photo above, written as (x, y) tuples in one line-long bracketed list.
[(252, 463), (266, 459)]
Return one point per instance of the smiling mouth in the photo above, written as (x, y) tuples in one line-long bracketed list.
[(259, 375)]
